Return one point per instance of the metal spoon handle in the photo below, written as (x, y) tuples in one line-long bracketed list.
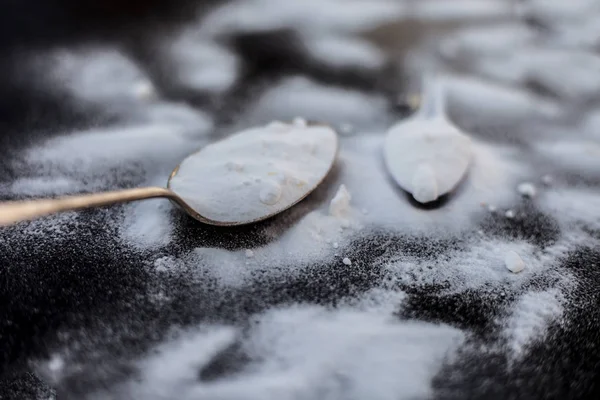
[(15, 211)]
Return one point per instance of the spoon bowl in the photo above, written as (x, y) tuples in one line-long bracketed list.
[(291, 192), (427, 155)]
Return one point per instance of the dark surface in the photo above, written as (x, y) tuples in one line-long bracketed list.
[(90, 281)]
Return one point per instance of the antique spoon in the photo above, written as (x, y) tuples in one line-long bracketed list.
[(275, 166)]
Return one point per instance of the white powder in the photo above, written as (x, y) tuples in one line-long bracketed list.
[(457, 10), (103, 75), (342, 51), (274, 167), (510, 214), (488, 39), (496, 103), (527, 189), (427, 157), (532, 313), (573, 207), (347, 261), (330, 104), (570, 74), (354, 354), (309, 16), (480, 266), (513, 262), (249, 253), (579, 156), (202, 65)]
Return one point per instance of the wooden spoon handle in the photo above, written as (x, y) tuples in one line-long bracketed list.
[(16, 211)]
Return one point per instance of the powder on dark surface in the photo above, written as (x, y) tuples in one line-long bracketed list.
[(140, 301)]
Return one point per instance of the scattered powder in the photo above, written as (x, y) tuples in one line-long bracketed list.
[(165, 264), (331, 104), (493, 102), (513, 262), (510, 214), (308, 17), (336, 245), (492, 208), (102, 75), (479, 266), (342, 51), (91, 159), (532, 313), (249, 253), (580, 156), (457, 10), (347, 261), (202, 65), (527, 189), (355, 354), (573, 207), (43, 186), (486, 40), (222, 193)]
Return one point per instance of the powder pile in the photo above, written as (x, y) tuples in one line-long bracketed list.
[(270, 169)]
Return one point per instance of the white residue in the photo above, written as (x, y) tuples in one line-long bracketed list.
[(249, 253), (202, 65), (104, 75), (330, 104), (373, 350), (347, 261), (308, 17), (343, 51), (510, 214), (531, 315)]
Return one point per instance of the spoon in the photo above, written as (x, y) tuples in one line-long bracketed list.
[(427, 155), (275, 179)]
